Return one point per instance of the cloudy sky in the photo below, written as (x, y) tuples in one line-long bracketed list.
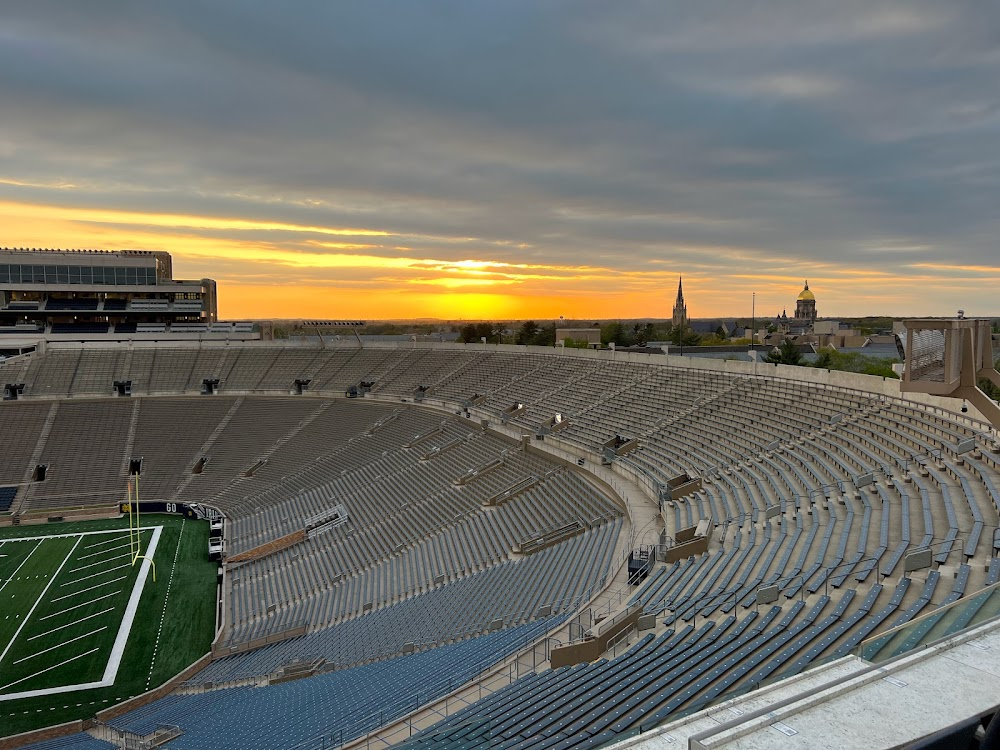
[(516, 158)]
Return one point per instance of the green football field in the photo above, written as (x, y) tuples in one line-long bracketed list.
[(83, 624), (67, 612)]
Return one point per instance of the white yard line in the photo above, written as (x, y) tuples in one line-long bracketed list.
[(91, 588), (76, 606), (71, 624), (103, 551), (100, 562), (64, 643), (39, 599), (95, 575), (47, 669), (101, 544), (118, 649), (22, 563)]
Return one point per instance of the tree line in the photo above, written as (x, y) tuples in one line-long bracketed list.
[(828, 358), (620, 334)]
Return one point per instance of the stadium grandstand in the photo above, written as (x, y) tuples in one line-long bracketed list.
[(460, 546)]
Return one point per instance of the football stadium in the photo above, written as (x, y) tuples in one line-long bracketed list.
[(281, 544)]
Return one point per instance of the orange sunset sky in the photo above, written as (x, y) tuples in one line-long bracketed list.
[(515, 160)]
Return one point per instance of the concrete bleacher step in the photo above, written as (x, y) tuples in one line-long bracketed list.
[(225, 366), (133, 425), (280, 442), (36, 456), (207, 445), (23, 373), (76, 369), (614, 393), (126, 366)]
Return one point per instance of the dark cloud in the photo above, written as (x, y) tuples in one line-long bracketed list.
[(780, 132)]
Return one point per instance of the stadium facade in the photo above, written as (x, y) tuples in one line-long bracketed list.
[(95, 294)]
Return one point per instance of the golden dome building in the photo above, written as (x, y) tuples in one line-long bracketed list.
[(805, 306)]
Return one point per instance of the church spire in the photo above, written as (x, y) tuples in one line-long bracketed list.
[(680, 309)]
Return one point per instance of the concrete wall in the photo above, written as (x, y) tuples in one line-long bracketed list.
[(269, 548), (688, 488), (684, 535), (221, 652), (592, 648), (48, 733), (118, 339), (590, 335), (697, 546)]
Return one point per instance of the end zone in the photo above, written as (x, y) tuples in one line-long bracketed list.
[(125, 627)]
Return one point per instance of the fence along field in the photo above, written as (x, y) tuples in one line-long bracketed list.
[(67, 605)]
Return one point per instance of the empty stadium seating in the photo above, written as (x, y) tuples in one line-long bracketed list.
[(7, 495), (507, 594), (330, 708), (816, 490)]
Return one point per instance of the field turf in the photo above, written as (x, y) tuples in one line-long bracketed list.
[(64, 595)]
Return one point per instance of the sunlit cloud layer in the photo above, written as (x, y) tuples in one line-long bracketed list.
[(516, 158)]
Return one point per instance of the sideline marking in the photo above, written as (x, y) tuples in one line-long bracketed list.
[(35, 605), (166, 598), (118, 649)]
